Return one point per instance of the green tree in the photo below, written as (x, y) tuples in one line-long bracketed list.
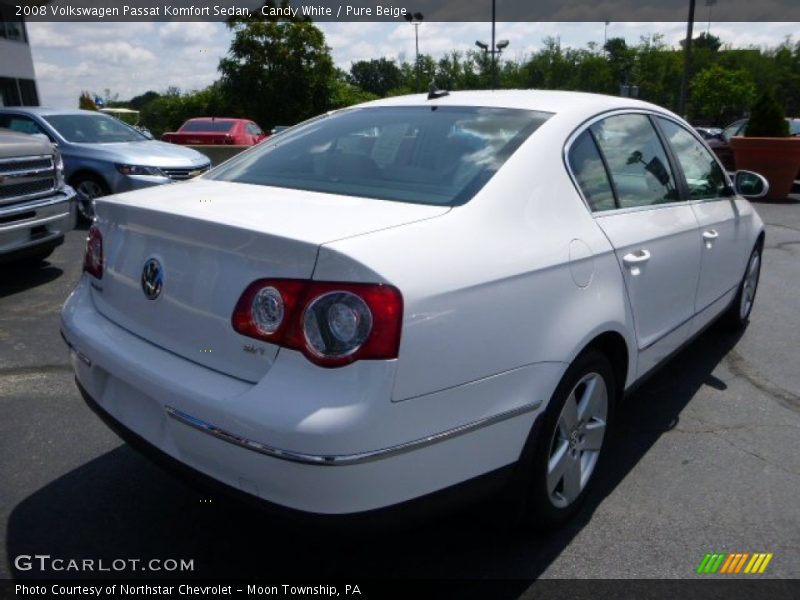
[(657, 71), (720, 95), (137, 102), (344, 93), (278, 71), (376, 76), (86, 102), (768, 118)]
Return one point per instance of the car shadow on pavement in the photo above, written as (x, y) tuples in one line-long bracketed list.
[(18, 278), (119, 505)]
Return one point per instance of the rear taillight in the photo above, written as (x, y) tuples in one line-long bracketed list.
[(93, 259), (332, 324)]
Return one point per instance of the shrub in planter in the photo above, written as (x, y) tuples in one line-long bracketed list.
[(766, 147)]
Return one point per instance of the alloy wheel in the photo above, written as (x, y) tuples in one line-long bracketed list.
[(577, 440), (88, 190), (749, 285)]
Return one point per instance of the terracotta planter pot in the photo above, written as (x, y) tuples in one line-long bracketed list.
[(777, 159)]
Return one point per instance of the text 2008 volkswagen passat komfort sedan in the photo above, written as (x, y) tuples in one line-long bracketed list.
[(409, 294)]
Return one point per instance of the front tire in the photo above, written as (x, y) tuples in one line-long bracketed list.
[(738, 315), (88, 187), (570, 444)]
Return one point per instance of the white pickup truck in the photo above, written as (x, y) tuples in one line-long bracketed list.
[(36, 207)]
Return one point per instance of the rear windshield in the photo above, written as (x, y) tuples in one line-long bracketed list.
[(422, 154), (216, 126)]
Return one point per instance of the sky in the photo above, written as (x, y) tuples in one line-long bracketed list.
[(131, 58)]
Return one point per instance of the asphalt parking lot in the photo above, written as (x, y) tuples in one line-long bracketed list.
[(706, 459)]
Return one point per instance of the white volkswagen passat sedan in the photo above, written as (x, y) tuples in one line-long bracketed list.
[(411, 294)]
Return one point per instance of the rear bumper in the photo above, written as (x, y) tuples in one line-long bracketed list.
[(459, 495), (27, 227), (325, 441)]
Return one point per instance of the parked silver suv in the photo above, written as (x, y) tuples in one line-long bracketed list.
[(36, 206)]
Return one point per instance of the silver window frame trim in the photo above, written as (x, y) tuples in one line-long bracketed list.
[(585, 125), (334, 460)]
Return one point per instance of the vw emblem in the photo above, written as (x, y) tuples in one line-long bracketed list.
[(152, 278)]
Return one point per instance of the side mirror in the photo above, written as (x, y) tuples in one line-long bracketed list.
[(750, 185), (41, 136)]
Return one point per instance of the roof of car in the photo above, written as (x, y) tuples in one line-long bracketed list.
[(44, 111), (544, 100)]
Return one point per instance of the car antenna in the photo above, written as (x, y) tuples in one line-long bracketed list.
[(434, 92)]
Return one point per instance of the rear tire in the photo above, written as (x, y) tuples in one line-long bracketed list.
[(570, 444), (738, 314)]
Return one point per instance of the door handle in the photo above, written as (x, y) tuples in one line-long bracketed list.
[(636, 258), (710, 234)]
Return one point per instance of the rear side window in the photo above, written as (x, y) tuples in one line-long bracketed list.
[(590, 173), (637, 162), (440, 155)]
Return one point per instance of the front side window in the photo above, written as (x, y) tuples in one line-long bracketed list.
[(703, 174), (93, 129), (636, 160), (440, 155)]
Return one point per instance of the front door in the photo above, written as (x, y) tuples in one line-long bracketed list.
[(721, 229)]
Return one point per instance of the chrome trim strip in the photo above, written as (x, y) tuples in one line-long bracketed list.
[(27, 157), (28, 173), (34, 221), (336, 460), (63, 196)]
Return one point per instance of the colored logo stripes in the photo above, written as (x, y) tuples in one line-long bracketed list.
[(737, 562)]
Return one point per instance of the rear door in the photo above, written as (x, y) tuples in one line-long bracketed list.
[(721, 234), (629, 183)]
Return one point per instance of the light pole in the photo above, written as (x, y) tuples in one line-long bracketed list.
[(495, 48), (494, 51), (687, 56), (415, 19)]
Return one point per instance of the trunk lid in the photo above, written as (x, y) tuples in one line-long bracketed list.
[(212, 239)]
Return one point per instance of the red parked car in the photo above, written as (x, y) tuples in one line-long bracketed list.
[(216, 131)]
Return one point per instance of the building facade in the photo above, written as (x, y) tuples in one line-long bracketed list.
[(17, 77)]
